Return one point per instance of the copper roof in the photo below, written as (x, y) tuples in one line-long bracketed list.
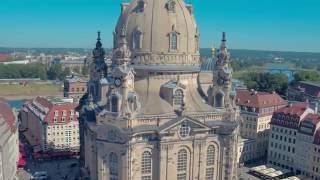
[(258, 99)]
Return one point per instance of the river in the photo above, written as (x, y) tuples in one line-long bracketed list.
[(17, 104)]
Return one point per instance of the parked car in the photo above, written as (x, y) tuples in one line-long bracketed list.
[(40, 175)]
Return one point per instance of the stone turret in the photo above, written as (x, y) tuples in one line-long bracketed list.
[(220, 92)]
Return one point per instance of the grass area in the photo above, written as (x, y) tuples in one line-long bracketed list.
[(29, 89)]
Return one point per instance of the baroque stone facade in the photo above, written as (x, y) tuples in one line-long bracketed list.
[(149, 119)]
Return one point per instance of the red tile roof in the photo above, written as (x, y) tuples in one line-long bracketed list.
[(53, 106), (4, 57), (295, 109), (258, 99), (7, 114), (313, 118)]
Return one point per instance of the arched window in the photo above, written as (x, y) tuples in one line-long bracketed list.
[(210, 162), (141, 6), (113, 166), (178, 97), (137, 39), (219, 100), (182, 163), (114, 104), (173, 41), (196, 43), (171, 6), (146, 166)]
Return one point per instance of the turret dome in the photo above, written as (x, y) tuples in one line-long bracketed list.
[(159, 32)]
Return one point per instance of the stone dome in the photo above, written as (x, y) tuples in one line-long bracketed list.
[(159, 32)]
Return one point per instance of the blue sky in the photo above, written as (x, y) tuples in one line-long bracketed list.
[(291, 25)]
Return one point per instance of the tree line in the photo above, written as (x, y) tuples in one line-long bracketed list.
[(37, 70), (269, 82)]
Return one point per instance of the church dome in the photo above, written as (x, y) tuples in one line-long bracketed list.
[(159, 33)]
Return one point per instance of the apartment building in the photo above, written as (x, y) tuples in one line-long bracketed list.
[(256, 109), (294, 140), (51, 123)]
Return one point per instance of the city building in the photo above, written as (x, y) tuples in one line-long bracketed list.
[(294, 140), (246, 150), (306, 91), (50, 123), (9, 142), (75, 87), (75, 66), (256, 109), (148, 117)]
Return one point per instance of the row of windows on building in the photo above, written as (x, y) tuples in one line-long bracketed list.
[(137, 39), (316, 159), (282, 147), (63, 119), (62, 126), (146, 165), (64, 113), (283, 138), (78, 90), (61, 133), (282, 130)]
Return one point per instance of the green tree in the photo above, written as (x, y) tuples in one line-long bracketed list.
[(306, 76), (266, 82)]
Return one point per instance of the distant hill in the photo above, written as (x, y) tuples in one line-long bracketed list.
[(205, 52), (263, 55)]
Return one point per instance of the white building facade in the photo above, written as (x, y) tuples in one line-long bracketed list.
[(294, 140), (9, 142)]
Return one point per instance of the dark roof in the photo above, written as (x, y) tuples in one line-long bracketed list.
[(310, 88), (7, 114)]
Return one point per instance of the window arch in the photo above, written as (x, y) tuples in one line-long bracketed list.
[(146, 166), (182, 163), (178, 97), (210, 162), (114, 103), (173, 44), (113, 166), (171, 6), (219, 100), (137, 39)]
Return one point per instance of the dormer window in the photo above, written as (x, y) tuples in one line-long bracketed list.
[(184, 130), (173, 41), (56, 113), (178, 97), (141, 5), (137, 39), (171, 6)]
